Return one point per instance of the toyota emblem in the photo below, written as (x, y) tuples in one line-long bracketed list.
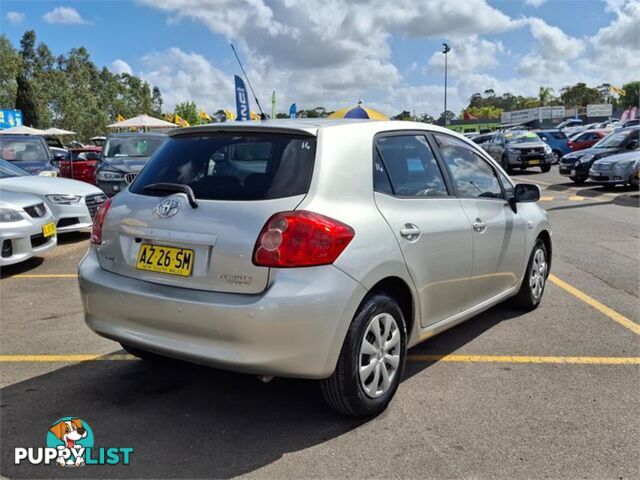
[(167, 208)]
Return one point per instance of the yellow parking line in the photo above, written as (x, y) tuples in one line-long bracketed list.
[(412, 358), (609, 312), (546, 199), (45, 275), (525, 359), (576, 198)]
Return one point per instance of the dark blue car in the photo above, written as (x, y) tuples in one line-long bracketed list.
[(558, 142), (29, 152)]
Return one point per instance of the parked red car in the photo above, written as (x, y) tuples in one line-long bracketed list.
[(83, 164), (586, 139)]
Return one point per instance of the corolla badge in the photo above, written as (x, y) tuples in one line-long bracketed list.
[(167, 208)]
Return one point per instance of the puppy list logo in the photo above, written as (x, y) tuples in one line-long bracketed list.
[(70, 444)]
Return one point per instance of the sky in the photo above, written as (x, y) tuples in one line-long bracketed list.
[(332, 53)]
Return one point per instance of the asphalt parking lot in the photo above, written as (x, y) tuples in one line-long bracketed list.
[(549, 394)]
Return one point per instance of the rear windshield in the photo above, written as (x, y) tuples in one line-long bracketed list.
[(132, 146), (27, 149), (230, 166)]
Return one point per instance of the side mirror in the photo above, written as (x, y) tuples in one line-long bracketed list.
[(632, 145), (92, 156), (59, 157), (526, 193)]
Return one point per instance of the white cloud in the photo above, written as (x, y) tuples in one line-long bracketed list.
[(468, 54), (185, 76), (64, 15), (553, 43), (120, 66), (333, 54), (534, 3), (15, 18)]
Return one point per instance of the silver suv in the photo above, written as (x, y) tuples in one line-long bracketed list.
[(311, 249)]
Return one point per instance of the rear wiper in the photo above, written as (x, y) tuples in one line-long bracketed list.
[(174, 188)]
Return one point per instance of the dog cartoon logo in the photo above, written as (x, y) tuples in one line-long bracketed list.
[(71, 437)]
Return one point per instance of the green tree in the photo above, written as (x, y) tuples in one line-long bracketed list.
[(189, 111), (545, 95), (25, 101), (11, 65), (632, 92), (579, 95), (426, 118), (448, 115), (403, 115), (156, 101)]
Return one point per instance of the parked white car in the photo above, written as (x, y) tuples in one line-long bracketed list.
[(73, 203), (27, 227)]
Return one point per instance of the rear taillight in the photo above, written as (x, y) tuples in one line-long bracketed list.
[(300, 239), (98, 221)]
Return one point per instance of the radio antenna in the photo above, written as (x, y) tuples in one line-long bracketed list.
[(262, 115)]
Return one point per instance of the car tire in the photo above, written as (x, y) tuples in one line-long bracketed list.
[(545, 168), (535, 278), (578, 180), (365, 395), (557, 156), (143, 354), (505, 165)]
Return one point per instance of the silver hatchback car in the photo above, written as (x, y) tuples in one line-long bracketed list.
[(311, 249)]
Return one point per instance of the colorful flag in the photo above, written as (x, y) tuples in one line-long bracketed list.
[(202, 115), (293, 110), (273, 104), (178, 120), (617, 90), (242, 100), (119, 118)]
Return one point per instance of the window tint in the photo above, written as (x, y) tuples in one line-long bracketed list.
[(380, 178), (507, 186), (233, 166), (411, 166), (132, 146), (472, 175)]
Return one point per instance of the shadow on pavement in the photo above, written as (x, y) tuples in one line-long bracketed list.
[(73, 237), (184, 420), (22, 267)]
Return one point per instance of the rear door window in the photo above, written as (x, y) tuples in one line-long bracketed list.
[(410, 165), (233, 166)]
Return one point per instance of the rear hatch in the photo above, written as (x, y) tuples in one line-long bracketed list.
[(239, 179)]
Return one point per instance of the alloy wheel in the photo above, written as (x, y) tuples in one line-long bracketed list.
[(538, 275), (379, 356)]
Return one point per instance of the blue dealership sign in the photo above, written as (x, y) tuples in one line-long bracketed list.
[(242, 101), (10, 118)]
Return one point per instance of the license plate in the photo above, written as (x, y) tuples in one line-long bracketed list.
[(49, 230), (161, 259), (595, 174), (534, 162)]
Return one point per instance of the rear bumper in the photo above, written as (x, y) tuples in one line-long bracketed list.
[(295, 328)]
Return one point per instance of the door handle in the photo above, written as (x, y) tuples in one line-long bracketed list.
[(410, 231), (479, 226)]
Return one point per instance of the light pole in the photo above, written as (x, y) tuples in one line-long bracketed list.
[(445, 50)]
